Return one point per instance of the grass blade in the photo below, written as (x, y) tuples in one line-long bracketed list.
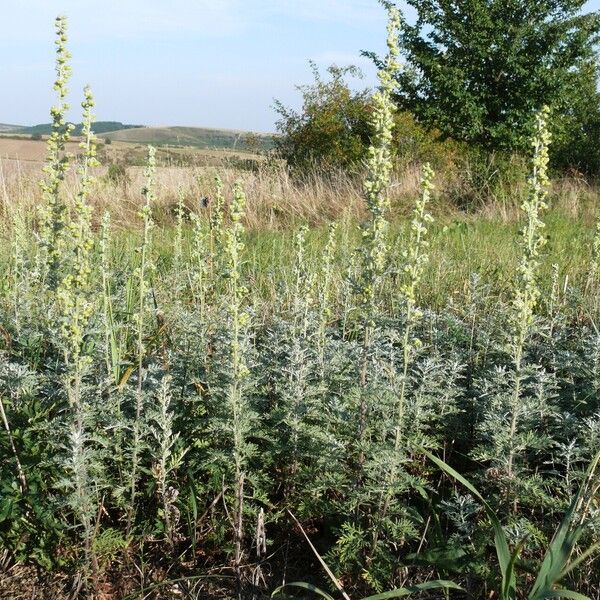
[(413, 589), (333, 578), (510, 571), (555, 563), (565, 594), (575, 563), (509, 583), (304, 586)]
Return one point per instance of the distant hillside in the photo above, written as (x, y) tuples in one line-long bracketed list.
[(5, 128), (194, 136), (99, 128)]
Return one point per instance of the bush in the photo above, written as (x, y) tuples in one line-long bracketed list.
[(117, 174), (332, 129)]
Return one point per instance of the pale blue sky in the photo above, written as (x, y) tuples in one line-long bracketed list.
[(215, 63)]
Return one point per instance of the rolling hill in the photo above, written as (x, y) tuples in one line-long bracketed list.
[(100, 127), (200, 137), (6, 128), (203, 138)]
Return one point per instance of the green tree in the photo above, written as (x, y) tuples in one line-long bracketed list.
[(576, 130), (478, 69), (332, 128)]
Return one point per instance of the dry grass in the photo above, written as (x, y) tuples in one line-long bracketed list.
[(275, 199)]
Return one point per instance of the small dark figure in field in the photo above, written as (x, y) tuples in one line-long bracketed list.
[(203, 203)]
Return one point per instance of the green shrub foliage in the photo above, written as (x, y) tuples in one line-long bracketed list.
[(477, 70)]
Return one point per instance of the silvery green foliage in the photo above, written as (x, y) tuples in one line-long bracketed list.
[(82, 464), (462, 511), (203, 411), (535, 413), (167, 452), (300, 398), (223, 432)]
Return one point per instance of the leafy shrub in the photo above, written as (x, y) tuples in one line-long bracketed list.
[(332, 130), (117, 174)]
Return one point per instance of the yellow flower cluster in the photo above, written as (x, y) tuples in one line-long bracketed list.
[(379, 169), (527, 292)]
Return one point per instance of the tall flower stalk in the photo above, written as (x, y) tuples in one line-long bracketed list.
[(53, 235), (80, 312), (527, 292), (217, 230), (374, 251), (112, 369), (303, 285), (20, 283), (75, 305), (237, 402), (325, 293), (142, 274), (415, 259), (296, 403), (73, 294), (168, 456)]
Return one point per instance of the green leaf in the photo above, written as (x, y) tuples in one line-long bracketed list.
[(302, 585), (448, 558), (511, 575), (584, 556), (555, 563), (413, 589), (509, 584), (565, 594)]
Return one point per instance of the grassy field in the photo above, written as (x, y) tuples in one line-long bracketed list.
[(216, 380), (21, 154), (192, 137), (178, 146)]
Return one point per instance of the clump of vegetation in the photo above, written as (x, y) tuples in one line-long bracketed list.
[(334, 127), (182, 410), (474, 75), (117, 174)]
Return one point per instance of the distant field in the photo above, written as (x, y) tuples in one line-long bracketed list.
[(194, 136), (177, 146), (17, 148), (27, 150)]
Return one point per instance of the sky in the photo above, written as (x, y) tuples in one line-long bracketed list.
[(212, 63)]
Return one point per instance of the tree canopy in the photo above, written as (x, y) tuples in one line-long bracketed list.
[(478, 69), (332, 128)]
